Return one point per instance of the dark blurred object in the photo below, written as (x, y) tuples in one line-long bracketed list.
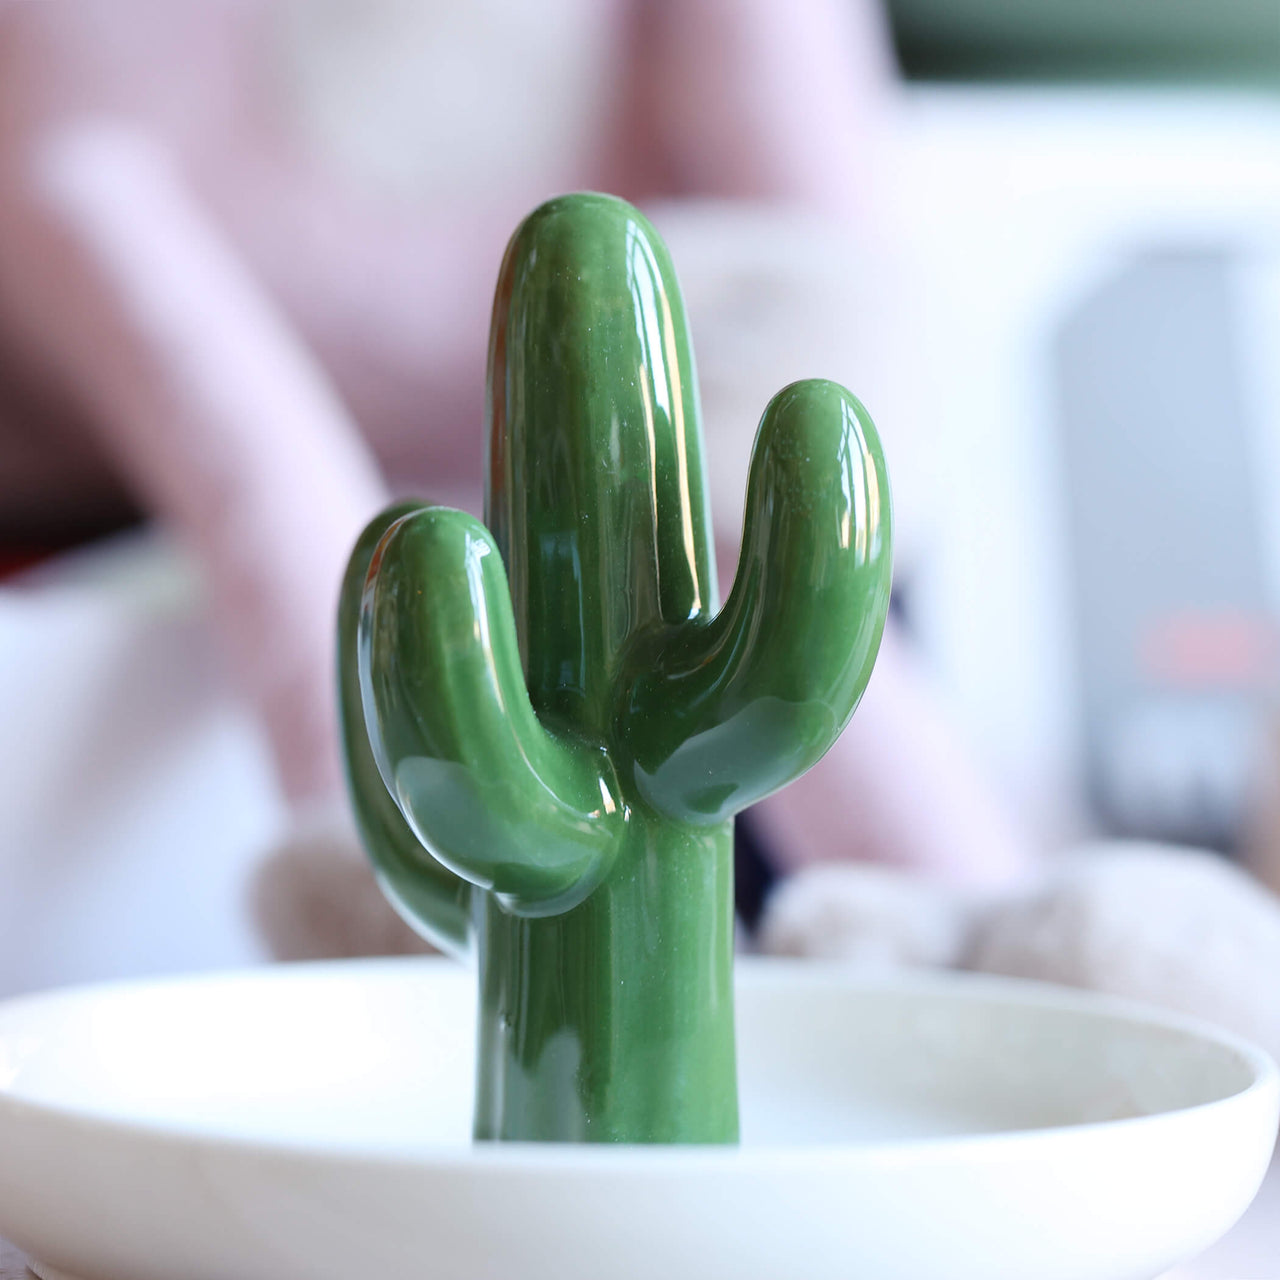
[(753, 871), (58, 485), (14, 560), (1211, 41)]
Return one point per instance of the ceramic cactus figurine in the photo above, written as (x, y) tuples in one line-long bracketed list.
[(549, 722)]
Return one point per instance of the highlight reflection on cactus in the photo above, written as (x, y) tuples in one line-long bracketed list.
[(550, 723)]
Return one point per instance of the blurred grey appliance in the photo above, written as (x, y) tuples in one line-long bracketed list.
[(1175, 627)]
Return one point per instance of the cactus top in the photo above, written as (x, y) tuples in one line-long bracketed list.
[(596, 496)]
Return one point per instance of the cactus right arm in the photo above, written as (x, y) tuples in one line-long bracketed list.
[(499, 799), (727, 712)]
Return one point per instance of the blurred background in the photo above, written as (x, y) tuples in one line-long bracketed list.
[(246, 256), (1040, 239)]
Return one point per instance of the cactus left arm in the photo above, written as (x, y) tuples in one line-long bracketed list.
[(433, 900), (497, 797), (732, 709)]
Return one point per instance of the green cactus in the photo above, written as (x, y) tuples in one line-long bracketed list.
[(549, 723)]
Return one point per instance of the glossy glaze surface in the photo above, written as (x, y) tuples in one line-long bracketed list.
[(550, 726)]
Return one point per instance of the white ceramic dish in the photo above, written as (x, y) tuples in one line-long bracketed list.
[(312, 1123)]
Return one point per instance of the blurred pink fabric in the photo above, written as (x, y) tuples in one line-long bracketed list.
[(255, 337)]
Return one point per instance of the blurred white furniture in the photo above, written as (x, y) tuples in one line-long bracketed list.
[(135, 795)]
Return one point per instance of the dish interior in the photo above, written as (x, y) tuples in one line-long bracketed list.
[(377, 1057)]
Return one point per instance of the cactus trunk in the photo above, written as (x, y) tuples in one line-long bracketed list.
[(614, 1021), (549, 721)]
